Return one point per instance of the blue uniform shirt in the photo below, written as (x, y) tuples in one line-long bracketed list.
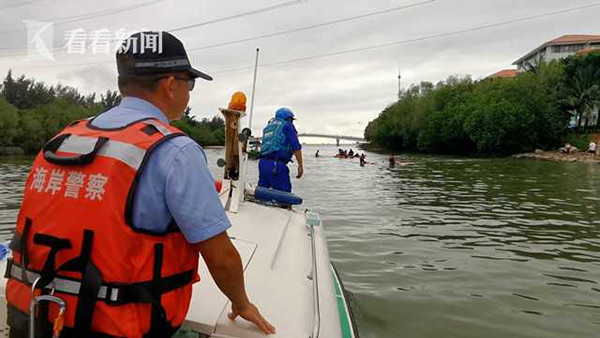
[(291, 137), (175, 183)]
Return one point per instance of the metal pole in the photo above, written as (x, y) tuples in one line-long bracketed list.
[(253, 89)]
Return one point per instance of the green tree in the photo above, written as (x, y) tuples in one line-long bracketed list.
[(207, 132), (580, 90), (31, 136), (25, 93), (462, 116), (9, 122), (110, 99), (32, 112)]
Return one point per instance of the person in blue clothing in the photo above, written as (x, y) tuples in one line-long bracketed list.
[(176, 189), (279, 144)]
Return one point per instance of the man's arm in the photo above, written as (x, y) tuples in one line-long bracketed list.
[(194, 204), (225, 266), (298, 155), (292, 135)]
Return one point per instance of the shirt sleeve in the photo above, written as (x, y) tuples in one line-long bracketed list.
[(292, 135), (192, 198)]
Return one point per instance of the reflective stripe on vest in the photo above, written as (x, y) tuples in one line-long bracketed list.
[(60, 284), (112, 294), (126, 153), (159, 127)]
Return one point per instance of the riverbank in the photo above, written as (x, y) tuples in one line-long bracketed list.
[(11, 151), (552, 155), (558, 156)]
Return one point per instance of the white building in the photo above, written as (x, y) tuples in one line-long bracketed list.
[(557, 49)]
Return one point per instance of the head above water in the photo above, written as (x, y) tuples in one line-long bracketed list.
[(154, 66), (284, 114)]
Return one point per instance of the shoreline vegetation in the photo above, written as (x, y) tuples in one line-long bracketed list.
[(558, 156), (500, 117), (32, 112)]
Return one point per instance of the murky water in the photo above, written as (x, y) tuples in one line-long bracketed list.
[(445, 246)]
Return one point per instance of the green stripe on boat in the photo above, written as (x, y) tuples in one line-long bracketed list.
[(345, 324)]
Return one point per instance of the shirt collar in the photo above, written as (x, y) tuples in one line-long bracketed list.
[(135, 103)]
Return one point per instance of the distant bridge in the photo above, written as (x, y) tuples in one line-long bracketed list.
[(337, 138)]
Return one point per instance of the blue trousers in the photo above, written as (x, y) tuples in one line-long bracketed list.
[(274, 174)]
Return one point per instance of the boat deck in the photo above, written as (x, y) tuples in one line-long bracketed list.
[(277, 257)]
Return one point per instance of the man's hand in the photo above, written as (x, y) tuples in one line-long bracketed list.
[(300, 171), (225, 266), (250, 313)]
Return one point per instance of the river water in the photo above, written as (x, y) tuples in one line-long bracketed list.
[(445, 246)]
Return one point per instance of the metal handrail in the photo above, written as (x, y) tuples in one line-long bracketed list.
[(315, 280)]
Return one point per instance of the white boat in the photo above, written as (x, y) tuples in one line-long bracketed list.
[(287, 269)]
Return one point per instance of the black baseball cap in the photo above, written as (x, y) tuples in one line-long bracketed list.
[(149, 53)]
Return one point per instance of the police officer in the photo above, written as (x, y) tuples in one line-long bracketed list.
[(120, 207), (279, 143)]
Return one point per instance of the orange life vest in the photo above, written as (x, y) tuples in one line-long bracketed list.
[(75, 237)]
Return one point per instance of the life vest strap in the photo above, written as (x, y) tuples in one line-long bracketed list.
[(51, 147), (159, 325), (48, 272), (55, 244), (23, 243), (111, 293), (18, 243), (91, 280)]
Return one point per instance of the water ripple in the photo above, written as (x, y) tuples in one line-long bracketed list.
[(447, 247)]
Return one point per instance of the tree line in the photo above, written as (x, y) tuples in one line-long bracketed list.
[(32, 112), (537, 109)]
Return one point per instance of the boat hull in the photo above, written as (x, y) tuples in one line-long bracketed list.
[(288, 275)]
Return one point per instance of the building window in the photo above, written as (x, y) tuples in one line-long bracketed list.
[(567, 48)]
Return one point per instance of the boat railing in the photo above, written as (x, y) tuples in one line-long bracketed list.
[(315, 280)]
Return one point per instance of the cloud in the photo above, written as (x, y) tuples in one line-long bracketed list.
[(337, 94)]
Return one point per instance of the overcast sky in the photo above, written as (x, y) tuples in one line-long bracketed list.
[(338, 94)]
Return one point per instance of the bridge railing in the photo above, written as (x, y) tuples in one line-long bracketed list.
[(335, 137)]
